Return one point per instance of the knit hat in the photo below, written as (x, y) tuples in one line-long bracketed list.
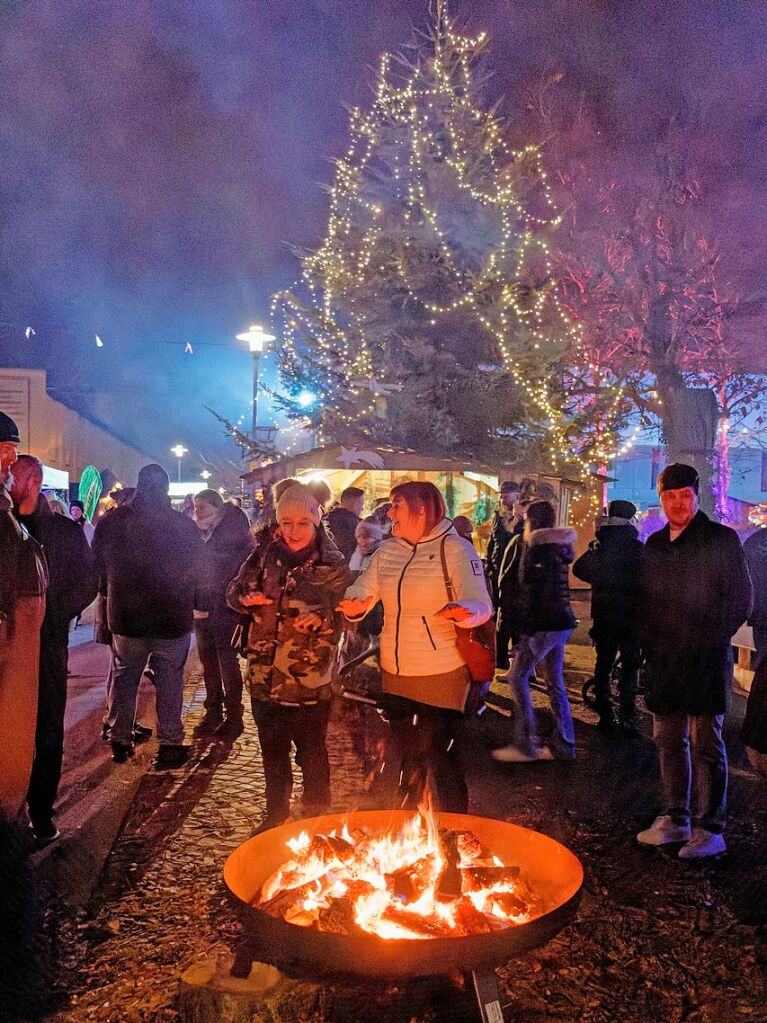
[(154, 480), (9, 431), (621, 510), (77, 504), (211, 497), (510, 487), (677, 476), (298, 500)]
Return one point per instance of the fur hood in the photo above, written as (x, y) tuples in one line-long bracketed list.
[(562, 535)]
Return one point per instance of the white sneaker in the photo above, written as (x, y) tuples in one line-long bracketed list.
[(663, 831), (703, 843), (514, 755)]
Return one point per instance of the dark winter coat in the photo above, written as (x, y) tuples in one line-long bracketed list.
[(342, 524), (510, 592), (284, 665), (754, 732), (545, 596), (23, 572), (71, 572), (755, 551), (612, 566), (695, 595), (149, 561), (227, 545), (500, 538)]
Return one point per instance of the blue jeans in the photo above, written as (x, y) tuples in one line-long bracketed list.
[(546, 649), (692, 747), (166, 658)]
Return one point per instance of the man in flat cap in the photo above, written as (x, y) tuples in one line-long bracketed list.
[(508, 522), (696, 593)]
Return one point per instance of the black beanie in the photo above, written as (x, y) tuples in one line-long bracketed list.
[(677, 476), (153, 480), (9, 431), (621, 510)]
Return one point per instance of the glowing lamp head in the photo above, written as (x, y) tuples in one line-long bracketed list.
[(256, 337), (178, 450), (306, 398), (205, 475)]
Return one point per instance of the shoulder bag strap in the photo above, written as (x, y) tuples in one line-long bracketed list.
[(448, 583)]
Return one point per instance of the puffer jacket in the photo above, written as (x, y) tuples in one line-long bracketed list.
[(408, 579), (545, 593), (286, 666)]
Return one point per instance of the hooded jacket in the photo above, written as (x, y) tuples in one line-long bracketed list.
[(696, 593), (612, 567), (545, 591), (409, 580), (149, 563), (284, 665)]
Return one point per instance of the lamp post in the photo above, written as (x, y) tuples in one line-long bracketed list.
[(256, 338), (205, 475), (179, 451)]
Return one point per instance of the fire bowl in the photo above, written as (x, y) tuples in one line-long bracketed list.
[(550, 869)]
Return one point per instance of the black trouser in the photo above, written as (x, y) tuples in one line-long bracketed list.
[(424, 739), (49, 730), (306, 727), (220, 665), (608, 646)]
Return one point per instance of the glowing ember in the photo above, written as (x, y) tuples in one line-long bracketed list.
[(423, 882)]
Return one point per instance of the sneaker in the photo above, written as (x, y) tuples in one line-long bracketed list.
[(141, 732), (170, 757), (121, 752), (44, 833), (703, 843), (514, 755), (664, 831)]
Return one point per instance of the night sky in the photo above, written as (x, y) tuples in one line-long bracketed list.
[(158, 159)]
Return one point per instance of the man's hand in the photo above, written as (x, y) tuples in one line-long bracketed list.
[(255, 600), (454, 613), (353, 607), (309, 622)]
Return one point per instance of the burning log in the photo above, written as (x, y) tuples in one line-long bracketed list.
[(450, 883), (469, 919), (408, 883), (478, 878), (425, 926)]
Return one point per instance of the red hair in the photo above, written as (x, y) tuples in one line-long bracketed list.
[(424, 496)]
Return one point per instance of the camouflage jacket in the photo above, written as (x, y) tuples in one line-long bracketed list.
[(284, 665)]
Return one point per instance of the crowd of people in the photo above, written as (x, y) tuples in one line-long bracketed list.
[(311, 582)]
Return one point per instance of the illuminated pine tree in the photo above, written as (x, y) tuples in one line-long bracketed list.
[(428, 315)]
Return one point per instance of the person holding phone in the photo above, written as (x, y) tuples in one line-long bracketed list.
[(423, 674), (289, 588)]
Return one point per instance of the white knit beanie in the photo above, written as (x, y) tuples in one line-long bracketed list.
[(298, 500)]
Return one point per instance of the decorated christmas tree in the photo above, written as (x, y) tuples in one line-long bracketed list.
[(428, 316)]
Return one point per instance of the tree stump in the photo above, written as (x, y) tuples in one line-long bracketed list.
[(208, 993)]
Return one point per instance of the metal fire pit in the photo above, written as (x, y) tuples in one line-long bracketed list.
[(552, 871)]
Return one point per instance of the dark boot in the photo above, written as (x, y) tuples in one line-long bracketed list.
[(120, 752), (170, 757)]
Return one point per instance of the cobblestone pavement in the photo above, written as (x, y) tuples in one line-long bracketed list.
[(655, 939)]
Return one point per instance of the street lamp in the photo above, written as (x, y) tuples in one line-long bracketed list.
[(205, 475), (256, 338), (179, 451)]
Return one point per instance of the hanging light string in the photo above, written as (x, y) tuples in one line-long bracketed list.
[(429, 110)]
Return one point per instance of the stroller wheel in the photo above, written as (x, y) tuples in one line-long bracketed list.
[(588, 693)]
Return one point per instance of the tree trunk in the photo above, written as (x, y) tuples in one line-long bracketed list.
[(689, 417), (208, 993)]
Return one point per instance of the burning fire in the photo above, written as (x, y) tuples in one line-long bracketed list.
[(422, 882)]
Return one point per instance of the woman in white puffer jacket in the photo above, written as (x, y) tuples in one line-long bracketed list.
[(421, 668)]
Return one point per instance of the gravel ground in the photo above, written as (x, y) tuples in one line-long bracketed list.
[(654, 940)]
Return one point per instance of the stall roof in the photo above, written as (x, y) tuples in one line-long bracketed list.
[(337, 456)]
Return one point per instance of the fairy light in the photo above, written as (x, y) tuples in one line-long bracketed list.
[(422, 113)]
